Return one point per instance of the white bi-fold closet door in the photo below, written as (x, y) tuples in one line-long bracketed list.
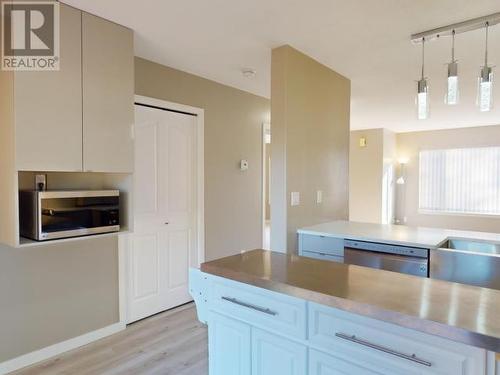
[(163, 245)]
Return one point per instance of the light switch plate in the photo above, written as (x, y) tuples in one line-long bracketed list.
[(294, 198), (362, 142), (243, 165), (319, 196)]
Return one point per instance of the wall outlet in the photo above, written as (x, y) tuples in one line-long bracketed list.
[(319, 196), (294, 198), (41, 182)]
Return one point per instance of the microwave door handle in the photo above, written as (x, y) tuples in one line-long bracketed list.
[(61, 211), (48, 212)]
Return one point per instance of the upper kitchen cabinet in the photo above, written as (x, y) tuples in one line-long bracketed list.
[(108, 95), (75, 119), (48, 106)]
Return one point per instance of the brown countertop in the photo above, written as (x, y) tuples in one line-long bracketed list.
[(461, 313)]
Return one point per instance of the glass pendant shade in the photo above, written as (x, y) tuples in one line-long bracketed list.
[(422, 99), (452, 97), (485, 81), (485, 89)]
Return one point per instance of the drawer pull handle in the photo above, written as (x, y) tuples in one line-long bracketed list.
[(408, 357), (250, 306)]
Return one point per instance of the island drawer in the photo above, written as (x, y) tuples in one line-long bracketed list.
[(321, 244), (375, 344), (259, 307), (322, 256)]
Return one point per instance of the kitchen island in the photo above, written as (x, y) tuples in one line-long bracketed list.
[(273, 313), (428, 238), (466, 257)]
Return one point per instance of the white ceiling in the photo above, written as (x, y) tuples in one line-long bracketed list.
[(367, 41)]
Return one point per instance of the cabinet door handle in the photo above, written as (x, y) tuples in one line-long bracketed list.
[(408, 357), (250, 306)]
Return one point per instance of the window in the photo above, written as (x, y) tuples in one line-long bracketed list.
[(462, 181)]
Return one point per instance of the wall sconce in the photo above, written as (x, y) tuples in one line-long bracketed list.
[(401, 179)]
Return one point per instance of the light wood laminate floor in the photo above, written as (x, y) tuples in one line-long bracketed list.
[(170, 343)]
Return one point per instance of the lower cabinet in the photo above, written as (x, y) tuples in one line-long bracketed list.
[(324, 364), (273, 355), (235, 348), (252, 332), (229, 350), (377, 345)]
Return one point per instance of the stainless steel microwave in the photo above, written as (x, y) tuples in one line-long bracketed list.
[(49, 215)]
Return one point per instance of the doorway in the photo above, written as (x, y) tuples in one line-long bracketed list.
[(266, 186), (168, 206)]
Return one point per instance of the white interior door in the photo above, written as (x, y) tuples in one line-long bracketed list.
[(163, 245)]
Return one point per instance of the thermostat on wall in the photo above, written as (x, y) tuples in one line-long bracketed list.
[(243, 165)]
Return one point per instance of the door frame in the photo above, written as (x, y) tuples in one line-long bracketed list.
[(200, 192)]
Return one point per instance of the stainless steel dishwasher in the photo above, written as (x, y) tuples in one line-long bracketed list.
[(396, 258)]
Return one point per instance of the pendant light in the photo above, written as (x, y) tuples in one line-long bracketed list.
[(451, 97), (422, 91), (485, 82)]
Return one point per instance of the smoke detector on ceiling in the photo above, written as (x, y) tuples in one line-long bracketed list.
[(248, 72)]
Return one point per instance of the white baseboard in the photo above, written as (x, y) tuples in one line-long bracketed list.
[(61, 347)]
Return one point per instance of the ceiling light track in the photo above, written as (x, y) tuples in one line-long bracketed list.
[(457, 28)]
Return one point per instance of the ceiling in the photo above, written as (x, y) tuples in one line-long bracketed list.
[(367, 41)]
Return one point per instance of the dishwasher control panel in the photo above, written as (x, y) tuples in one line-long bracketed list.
[(387, 248)]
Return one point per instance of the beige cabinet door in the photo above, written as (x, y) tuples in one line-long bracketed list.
[(48, 107), (108, 95)]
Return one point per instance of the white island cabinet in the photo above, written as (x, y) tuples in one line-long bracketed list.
[(256, 331)]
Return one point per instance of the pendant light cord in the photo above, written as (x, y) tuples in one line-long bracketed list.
[(486, 49), (423, 56), (453, 46)]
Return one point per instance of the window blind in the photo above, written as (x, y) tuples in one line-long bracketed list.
[(463, 180)]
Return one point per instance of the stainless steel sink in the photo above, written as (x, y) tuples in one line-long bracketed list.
[(472, 246), (467, 262)]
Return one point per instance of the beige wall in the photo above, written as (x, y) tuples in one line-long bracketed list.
[(8, 186), (55, 292), (367, 167), (409, 145), (310, 106), (365, 176), (233, 131), (52, 293), (390, 162)]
